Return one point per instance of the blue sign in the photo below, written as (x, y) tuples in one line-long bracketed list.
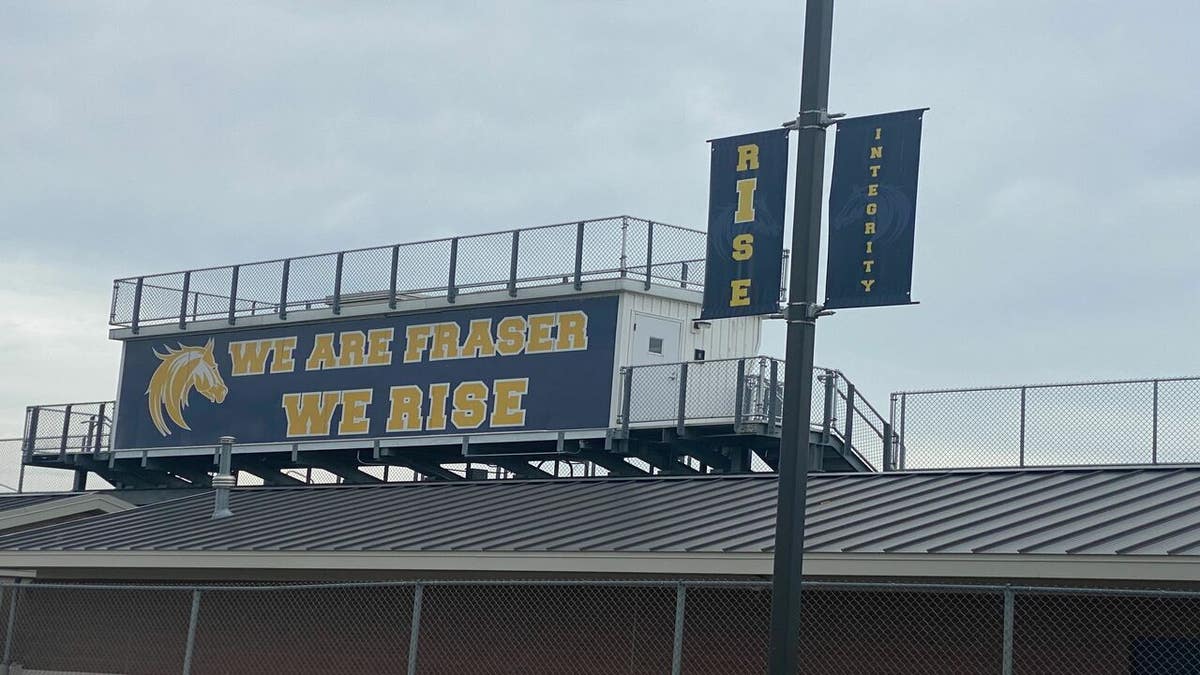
[(529, 366), (746, 197), (872, 210)]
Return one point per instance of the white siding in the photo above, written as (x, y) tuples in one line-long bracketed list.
[(722, 339)]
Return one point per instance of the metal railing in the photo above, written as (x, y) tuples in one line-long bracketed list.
[(536, 626), (749, 391), (1152, 421), (67, 428), (550, 255)]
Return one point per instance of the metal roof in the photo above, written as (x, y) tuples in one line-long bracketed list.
[(21, 500), (1088, 511)]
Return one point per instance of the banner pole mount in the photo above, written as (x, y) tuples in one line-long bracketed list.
[(816, 119)]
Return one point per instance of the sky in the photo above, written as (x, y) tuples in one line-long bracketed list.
[(1060, 169)]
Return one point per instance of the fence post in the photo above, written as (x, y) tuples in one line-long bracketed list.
[(392, 281), (100, 427), (830, 392), (12, 625), (1007, 665), (190, 648), (739, 394), (683, 274), (579, 256), (889, 459), (626, 394), (512, 264), (414, 633), (1154, 431), (66, 430), (1021, 462), (183, 299), (283, 288), (451, 291), (683, 378), (137, 305), (337, 283), (677, 648), (903, 418), (649, 251), (233, 290), (772, 396), (624, 242), (848, 429)]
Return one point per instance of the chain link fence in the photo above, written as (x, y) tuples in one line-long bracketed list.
[(563, 254), (690, 626), (1153, 421)]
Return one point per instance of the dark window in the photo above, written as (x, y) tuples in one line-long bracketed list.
[(656, 345)]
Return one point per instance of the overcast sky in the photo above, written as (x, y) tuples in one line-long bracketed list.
[(1060, 173)]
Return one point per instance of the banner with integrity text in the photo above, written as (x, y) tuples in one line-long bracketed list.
[(746, 199), (872, 210)]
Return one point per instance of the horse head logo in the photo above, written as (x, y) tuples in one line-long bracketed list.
[(182, 370)]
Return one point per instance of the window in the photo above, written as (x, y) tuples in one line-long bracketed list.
[(656, 345)]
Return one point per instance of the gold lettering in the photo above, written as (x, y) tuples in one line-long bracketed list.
[(438, 393), (405, 412), (874, 170), (870, 245), (743, 247), (479, 339), (510, 334), (379, 346), (878, 131), (747, 157), (506, 402), (445, 341), (873, 190), (867, 264), (470, 405), (249, 357), (739, 293), (283, 361), (867, 284), (353, 343), (869, 228), (745, 200), (416, 339), (539, 334), (872, 208), (354, 412), (877, 152), (310, 413), (322, 355), (572, 332)]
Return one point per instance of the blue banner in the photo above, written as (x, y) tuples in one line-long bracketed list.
[(514, 367), (746, 197), (872, 210)]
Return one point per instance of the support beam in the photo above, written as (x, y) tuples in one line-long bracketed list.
[(520, 467)]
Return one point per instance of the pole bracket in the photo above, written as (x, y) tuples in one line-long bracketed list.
[(813, 119), (804, 312)]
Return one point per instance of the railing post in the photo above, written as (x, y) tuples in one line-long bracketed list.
[(1021, 458), (451, 291), (773, 396), (903, 451), (677, 648), (337, 282), (135, 321), (830, 392), (739, 394), (889, 459), (683, 274), (392, 279), (1006, 666), (190, 648), (183, 299), (848, 428), (682, 417), (12, 625), (649, 251), (414, 633), (233, 291), (195, 305), (626, 395), (1154, 429), (66, 430), (512, 264), (579, 256), (624, 260), (99, 428), (283, 288)]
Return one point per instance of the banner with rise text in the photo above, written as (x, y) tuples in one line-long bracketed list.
[(746, 200), (872, 210)]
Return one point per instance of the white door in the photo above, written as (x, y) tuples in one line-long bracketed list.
[(654, 392)]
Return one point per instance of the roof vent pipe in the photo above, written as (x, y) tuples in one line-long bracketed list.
[(224, 479)]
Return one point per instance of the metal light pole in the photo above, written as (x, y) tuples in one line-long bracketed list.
[(801, 313)]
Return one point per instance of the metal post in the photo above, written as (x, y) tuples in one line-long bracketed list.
[(66, 430), (848, 429), (512, 264), (195, 305), (1154, 430), (233, 290), (830, 405), (451, 290), (12, 624), (677, 650), (283, 288), (579, 256), (1007, 665), (190, 648), (649, 251), (682, 417), (99, 428), (624, 242), (739, 394), (683, 274), (626, 394), (183, 300), (392, 281), (337, 282), (794, 451), (773, 397), (1021, 458), (137, 305), (889, 450), (224, 480), (414, 633)]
